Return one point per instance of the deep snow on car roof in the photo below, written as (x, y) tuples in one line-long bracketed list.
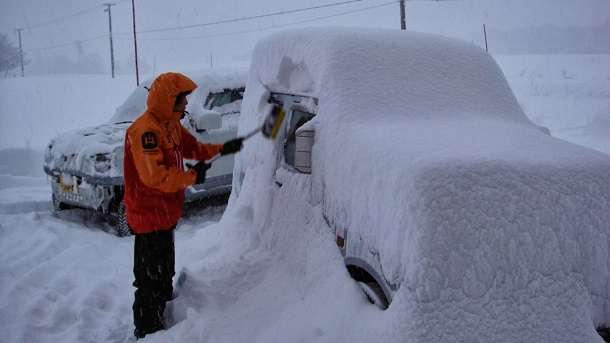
[(207, 81), (384, 72)]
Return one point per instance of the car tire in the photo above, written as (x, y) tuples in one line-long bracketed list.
[(119, 219), (374, 294), (122, 227)]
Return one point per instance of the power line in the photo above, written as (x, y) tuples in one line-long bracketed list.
[(232, 20), (69, 16), (276, 26), (258, 16)]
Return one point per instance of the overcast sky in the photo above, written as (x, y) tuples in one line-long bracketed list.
[(53, 28)]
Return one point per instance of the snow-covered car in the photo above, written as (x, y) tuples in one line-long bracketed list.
[(448, 205), (85, 166)]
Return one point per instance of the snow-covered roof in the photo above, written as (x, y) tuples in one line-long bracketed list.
[(386, 72), (207, 81)]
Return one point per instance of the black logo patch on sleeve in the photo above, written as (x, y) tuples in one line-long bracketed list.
[(149, 141)]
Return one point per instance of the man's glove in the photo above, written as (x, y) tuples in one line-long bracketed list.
[(200, 168), (232, 146)]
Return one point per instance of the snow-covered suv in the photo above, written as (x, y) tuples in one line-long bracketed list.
[(446, 202), (85, 166)]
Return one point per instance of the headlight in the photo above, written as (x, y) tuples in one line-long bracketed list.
[(102, 158), (102, 162)]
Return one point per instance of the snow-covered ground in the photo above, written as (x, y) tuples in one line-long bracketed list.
[(569, 94), (64, 279)]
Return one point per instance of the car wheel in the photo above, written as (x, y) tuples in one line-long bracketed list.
[(374, 294), (119, 220)]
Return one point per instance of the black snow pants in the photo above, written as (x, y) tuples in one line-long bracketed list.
[(153, 268)]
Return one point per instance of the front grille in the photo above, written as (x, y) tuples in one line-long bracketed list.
[(84, 197)]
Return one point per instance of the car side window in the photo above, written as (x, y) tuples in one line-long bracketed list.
[(297, 119)]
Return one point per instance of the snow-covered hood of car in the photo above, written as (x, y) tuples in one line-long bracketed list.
[(95, 151), (98, 151)]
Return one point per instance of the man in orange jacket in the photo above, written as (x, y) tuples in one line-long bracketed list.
[(155, 180)]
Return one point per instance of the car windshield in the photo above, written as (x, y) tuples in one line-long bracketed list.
[(215, 90), (219, 99), (133, 106)]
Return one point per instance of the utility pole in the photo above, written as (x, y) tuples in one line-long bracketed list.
[(135, 41), (20, 51), (108, 6), (403, 24), (485, 35)]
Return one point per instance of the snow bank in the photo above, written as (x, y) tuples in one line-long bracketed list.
[(490, 229), (249, 285)]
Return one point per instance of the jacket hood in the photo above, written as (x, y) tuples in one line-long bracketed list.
[(163, 93)]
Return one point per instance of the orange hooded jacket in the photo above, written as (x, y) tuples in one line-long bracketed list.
[(155, 145)]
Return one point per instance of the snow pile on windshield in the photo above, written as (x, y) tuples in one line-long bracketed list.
[(488, 228), (207, 81)]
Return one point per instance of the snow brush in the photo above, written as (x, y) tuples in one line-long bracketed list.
[(269, 129), (272, 124)]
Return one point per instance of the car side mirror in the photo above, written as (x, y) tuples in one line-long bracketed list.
[(206, 120)]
